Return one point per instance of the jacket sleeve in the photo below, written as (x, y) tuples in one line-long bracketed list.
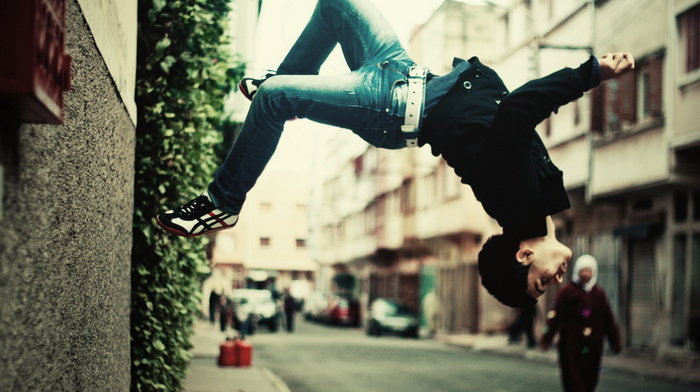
[(531, 103), (612, 330)]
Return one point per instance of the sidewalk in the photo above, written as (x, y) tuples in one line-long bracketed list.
[(625, 363), (205, 375)]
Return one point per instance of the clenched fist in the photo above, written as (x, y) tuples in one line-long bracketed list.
[(613, 65)]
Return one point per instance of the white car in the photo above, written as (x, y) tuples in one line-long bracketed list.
[(258, 307)]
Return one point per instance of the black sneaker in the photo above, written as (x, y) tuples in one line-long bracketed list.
[(249, 86), (199, 216)]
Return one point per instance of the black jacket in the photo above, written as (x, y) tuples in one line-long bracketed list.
[(488, 136)]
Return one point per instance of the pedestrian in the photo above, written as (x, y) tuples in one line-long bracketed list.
[(213, 305), (431, 311), (224, 313), (583, 318), (468, 116), (290, 308), (523, 323)]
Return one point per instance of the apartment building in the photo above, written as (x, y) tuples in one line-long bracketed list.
[(629, 151), (644, 171), (626, 149)]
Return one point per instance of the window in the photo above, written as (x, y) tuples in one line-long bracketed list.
[(264, 242), (689, 26), (643, 85), (649, 75), (642, 205), (680, 207), (358, 164), (408, 197), (618, 103), (506, 30), (301, 243), (630, 99), (380, 212)]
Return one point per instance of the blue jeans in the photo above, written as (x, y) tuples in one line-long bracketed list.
[(370, 100)]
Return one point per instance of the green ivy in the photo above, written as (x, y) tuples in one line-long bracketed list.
[(184, 73)]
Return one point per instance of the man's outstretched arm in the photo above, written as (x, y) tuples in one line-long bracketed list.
[(534, 101)]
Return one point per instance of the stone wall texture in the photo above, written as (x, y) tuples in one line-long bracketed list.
[(65, 237)]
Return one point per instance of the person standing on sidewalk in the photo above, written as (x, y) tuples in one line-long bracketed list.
[(583, 318), (523, 323), (467, 116), (214, 298), (290, 307)]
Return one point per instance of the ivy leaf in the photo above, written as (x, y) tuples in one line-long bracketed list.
[(158, 345), (167, 63), (158, 5), (163, 44)]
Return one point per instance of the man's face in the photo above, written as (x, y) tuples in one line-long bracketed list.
[(548, 262)]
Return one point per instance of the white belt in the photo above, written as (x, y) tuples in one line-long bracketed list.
[(414, 104)]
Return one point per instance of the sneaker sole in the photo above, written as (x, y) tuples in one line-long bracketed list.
[(244, 90), (183, 234)]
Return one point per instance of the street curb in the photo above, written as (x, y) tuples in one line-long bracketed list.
[(609, 362), (277, 382)]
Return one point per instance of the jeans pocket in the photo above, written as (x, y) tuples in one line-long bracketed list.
[(397, 98)]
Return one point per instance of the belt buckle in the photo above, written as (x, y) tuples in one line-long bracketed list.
[(417, 72)]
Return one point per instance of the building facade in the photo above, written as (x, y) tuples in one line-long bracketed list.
[(67, 202)]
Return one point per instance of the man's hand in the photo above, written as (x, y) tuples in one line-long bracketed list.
[(613, 65)]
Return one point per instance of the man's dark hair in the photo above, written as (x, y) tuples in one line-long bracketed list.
[(501, 273)]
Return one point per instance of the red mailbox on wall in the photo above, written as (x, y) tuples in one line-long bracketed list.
[(34, 68)]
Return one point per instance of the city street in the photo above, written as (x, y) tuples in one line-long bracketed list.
[(323, 358)]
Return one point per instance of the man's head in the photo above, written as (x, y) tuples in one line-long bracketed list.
[(518, 272)]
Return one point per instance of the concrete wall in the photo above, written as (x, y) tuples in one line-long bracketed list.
[(65, 237), (113, 24)]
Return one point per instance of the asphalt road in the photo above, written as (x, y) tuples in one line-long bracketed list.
[(317, 358)]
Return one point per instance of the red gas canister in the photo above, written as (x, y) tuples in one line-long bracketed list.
[(227, 353), (244, 353)]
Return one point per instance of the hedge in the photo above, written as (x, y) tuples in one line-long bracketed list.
[(184, 72)]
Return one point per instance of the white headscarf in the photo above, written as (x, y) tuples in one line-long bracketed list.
[(586, 261)]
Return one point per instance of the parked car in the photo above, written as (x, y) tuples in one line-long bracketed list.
[(261, 306), (391, 316), (315, 306), (342, 310)]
